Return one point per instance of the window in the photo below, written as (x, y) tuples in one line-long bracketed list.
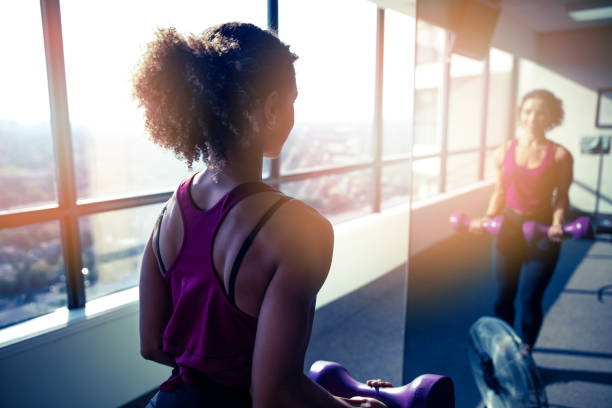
[(465, 103), (426, 121), (431, 42), (398, 79), (500, 97), (32, 276), (338, 196), (428, 89), (461, 170), (111, 154), (111, 150), (426, 178), (26, 145), (111, 248), (395, 184), (335, 78)]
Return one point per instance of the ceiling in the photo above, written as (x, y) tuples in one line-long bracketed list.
[(546, 16)]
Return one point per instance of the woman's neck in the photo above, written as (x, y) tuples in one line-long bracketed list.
[(241, 167), (532, 138)]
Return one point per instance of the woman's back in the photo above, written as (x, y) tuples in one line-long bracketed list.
[(218, 249), (258, 263), (208, 335)]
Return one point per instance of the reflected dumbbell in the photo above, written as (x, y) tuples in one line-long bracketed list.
[(577, 229), (461, 222), (425, 391)]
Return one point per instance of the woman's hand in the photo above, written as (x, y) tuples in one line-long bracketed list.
[(364, 402), (555, 233), (378, 383), (476, 225)]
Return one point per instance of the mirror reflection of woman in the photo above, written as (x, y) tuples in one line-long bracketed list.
[(533, 178)]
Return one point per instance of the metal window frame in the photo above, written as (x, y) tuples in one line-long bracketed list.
[(445, 90), (273, 26), (485, 116), (378, 106), (60, 129), (513, 97)]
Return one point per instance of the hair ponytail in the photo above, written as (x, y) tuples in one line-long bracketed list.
[(198, 92)]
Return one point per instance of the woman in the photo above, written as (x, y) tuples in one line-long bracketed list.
[(230, 274), (533, 178)]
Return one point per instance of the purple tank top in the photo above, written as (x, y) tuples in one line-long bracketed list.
[(529, 190), (208, 336)]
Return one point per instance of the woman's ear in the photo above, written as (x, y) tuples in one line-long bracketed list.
[(271, 107)]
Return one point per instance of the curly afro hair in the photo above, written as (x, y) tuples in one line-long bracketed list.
[(199, 92), (553, 104)]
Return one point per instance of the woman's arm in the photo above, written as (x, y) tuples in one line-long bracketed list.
[(155, 309), (564, 161), (498, 198), (285, 318)]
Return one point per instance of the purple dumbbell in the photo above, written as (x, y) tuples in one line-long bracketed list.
[(461, 222), (578, 229), (425, 391)]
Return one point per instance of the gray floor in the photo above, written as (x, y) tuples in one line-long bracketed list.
[(574, 350), (449, 289)]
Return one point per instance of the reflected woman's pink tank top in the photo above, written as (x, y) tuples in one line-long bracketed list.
[(529, 190)]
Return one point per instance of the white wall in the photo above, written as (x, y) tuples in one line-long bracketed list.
[(96, 363), (574, 65), (583, 56)]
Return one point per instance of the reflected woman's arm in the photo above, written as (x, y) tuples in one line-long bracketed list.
[(564, 161), (498, 199)]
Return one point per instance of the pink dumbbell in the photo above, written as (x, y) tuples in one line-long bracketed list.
[(461, 222), (578, 229)]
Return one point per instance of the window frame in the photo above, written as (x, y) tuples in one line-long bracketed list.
[(69, 209)]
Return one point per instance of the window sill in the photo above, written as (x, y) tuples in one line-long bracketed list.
[(50, 327)]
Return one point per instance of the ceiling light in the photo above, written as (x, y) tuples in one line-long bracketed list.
[(589, 10)]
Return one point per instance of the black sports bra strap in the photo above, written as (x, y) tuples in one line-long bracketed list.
[(156, 234), (246, 245)]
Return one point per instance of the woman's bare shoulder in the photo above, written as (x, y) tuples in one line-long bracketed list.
[(500, 152), (306, 222), (300, 234), (305, 242), (172, 213), (170, 234), (562, 154), (293, 230)]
